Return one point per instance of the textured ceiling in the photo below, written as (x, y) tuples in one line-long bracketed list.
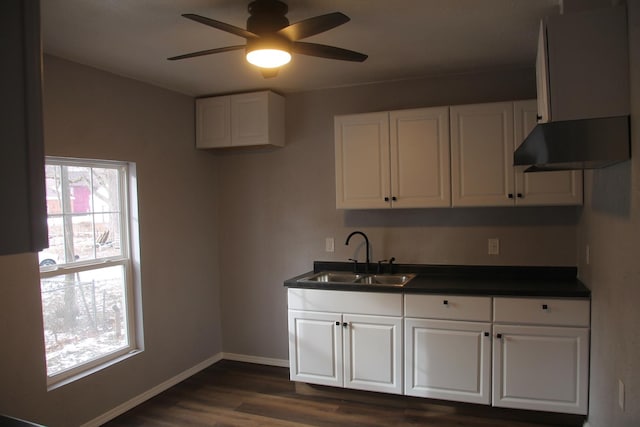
[(404, 39)]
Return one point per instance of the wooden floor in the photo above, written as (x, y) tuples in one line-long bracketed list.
[(242, 394)]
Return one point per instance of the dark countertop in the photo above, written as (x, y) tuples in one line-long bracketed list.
[(462, 280)]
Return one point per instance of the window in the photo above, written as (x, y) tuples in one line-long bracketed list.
[(86, 277)]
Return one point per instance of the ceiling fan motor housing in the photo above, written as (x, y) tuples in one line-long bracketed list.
[(267, 16)]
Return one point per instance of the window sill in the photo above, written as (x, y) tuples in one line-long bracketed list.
[(53, 383)]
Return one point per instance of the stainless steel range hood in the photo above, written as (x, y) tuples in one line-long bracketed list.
[(576, 144), (582, 80)]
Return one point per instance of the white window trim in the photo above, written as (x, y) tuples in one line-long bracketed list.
[(129, 259)]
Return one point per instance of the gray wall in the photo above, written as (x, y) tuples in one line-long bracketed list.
[(90, 113), (277, 207), (610, 225)]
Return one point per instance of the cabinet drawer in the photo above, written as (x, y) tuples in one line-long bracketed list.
[(373, 303), (448, 307), (541, 311)]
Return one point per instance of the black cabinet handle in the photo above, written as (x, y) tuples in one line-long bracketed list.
[(445, 302), (337, 323), (486, 334), (394, 198), (499, 336), (386, 199), (538, 117), (520, 196), (510, 195), (545, 307), (345, 324)]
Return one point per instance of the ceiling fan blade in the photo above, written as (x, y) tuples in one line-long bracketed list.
[(206, 52), (330, 52), (221, 26), (313, 26)]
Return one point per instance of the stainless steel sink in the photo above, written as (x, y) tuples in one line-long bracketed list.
[(346, 278), (333, 277), (386, 279)]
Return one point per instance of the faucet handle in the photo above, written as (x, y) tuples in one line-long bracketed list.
[(380, 265), (391, 260), (355, 264)]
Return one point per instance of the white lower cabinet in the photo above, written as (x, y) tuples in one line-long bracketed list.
[(346, 339), (448, 359), (541, 354), (525, 353)]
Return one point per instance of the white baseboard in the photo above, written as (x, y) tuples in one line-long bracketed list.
[(283, 363), (132, 403)]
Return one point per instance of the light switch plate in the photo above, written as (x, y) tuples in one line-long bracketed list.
[(494, 246), (329, 244)]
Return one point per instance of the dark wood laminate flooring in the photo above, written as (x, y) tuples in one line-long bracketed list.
[(241, 394)]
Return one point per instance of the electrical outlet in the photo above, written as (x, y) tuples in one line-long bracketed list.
[(621, 394), (329, 244), (587, 254), (494, 246)]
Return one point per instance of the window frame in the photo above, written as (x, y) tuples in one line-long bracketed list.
[(128, 260)]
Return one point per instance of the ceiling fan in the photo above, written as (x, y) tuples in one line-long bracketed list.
[(271, 39)]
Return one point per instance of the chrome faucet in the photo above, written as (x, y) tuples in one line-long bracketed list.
[(366, 241)]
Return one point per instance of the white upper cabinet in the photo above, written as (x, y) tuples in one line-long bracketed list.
[(419, 154), (248, 119), (577, 52), (482, 154), (541, 188), (483, 139), (362, 161), (397, 159)]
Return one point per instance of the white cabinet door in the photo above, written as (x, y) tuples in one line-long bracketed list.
[(315, 347), (420, 160), (362, 161), (448, 360), (541, 368), (541, 188), (482, 154), (373, 353), (213, 116), (252, 118)]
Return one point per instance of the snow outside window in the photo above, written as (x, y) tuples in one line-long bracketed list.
[(86, 277)]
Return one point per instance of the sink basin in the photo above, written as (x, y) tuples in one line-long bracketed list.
[(386, 279), (347, 278), (333, 277)]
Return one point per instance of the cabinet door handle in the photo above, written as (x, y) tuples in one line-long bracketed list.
[(386, 199), (345, 324), (486, 334), (445, 302), (538, 117), (510, 195), (337, 323), (545, 307), (499, 336), (394, 198), (519, 195)]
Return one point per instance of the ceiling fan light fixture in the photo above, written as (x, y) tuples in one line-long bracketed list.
[(268, 57)]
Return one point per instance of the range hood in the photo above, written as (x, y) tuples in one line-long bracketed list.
[(582, 79), (576, 144)]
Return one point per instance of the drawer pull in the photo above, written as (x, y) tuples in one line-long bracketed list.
[(545, 307), (337, 323), (445, 302), (499, 336), (486, 334), (345, 324)]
